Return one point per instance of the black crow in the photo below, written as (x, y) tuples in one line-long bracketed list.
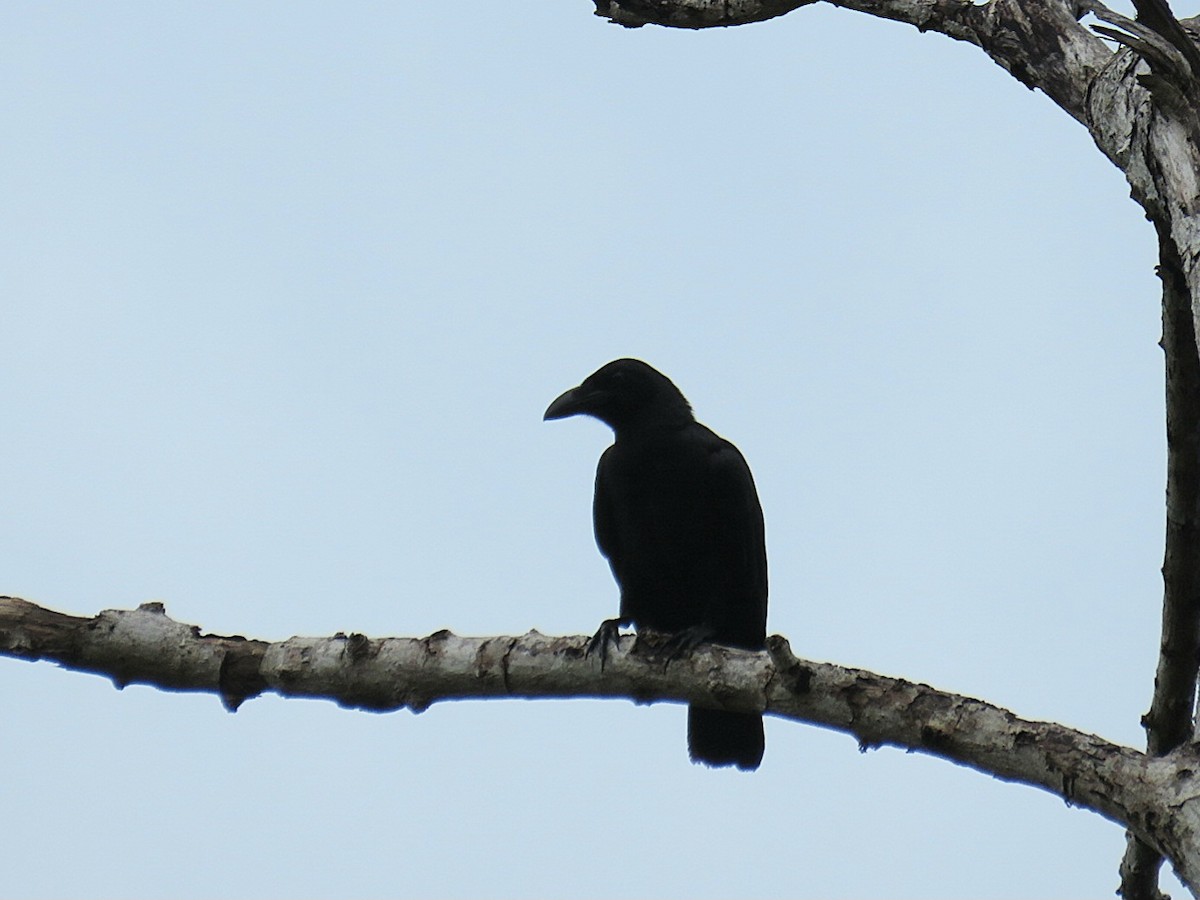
[(677, 516)]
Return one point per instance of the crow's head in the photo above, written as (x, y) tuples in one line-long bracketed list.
[(625, 394)]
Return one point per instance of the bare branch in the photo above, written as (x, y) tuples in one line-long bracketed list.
[(693, 13), (1139, 871), (1168, 55), (142, 646), (1144, 122), (1157, 15), (1039, 41), (145, 646), (1169, 723)]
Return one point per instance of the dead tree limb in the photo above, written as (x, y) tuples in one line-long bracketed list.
[(1158, 798)]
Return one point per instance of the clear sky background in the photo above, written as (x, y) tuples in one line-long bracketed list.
[(286, 289)]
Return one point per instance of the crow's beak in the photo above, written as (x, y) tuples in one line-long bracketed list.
[(566, 404)]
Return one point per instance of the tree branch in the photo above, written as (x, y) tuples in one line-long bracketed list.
[(693, 13), (1040, 42), (1147, 124), (145, 646), (1161, 40), (1157, 15), (1169, 722), (1139, 871)]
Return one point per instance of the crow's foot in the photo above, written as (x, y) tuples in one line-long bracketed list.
[(609, 632), (681, 643)]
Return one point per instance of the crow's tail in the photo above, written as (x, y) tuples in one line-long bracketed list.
[(719, 738)]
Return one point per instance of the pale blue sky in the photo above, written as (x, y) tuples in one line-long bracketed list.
[(287, 288)]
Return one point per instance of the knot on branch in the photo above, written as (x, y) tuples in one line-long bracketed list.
[(794, 675)]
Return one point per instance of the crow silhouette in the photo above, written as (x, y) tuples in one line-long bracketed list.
[(677, 516)]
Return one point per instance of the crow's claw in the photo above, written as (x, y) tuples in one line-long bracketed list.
[(681, 643), (609, 632)]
